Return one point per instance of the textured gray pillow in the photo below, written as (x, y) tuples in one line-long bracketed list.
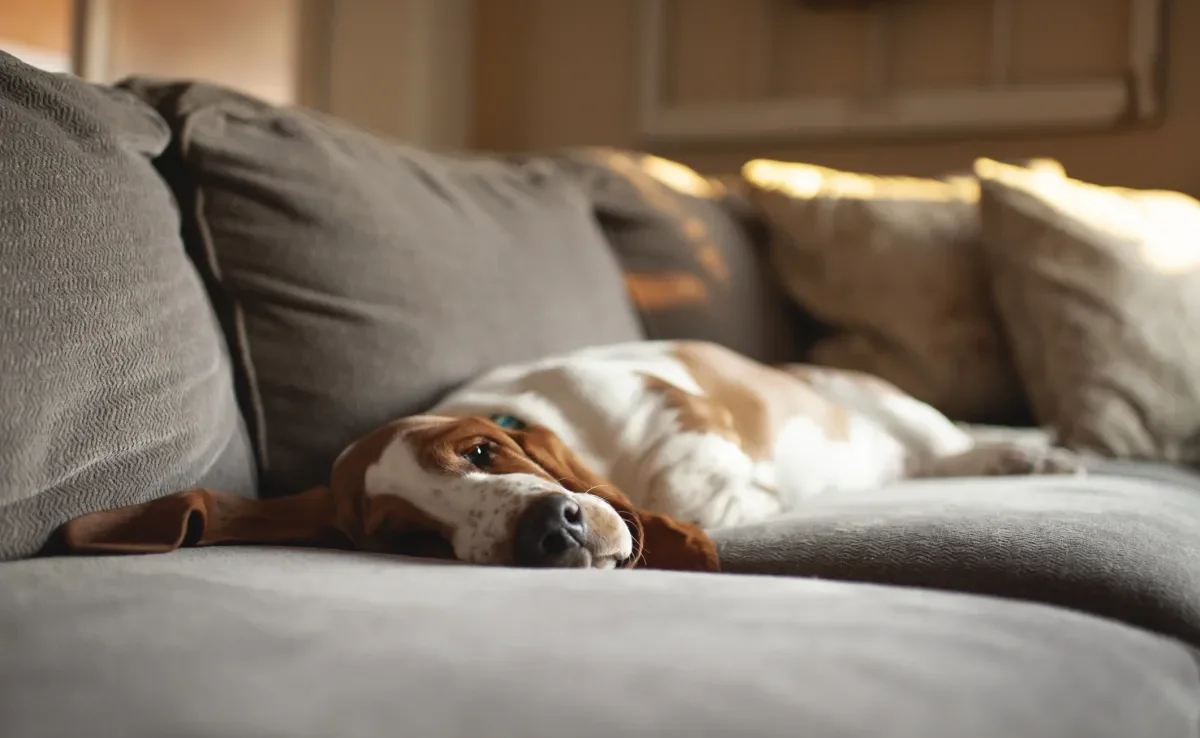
[(361, 279), (114, 383)]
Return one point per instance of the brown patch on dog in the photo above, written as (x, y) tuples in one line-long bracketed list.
[(697, 413), (746, 401)]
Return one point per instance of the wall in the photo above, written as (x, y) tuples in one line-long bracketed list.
[(399, 67), (553, 73), (251, 45), (38, 31)]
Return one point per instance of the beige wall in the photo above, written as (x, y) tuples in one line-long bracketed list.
[(40, 24), (251, 45), (400, 67), (38, 32), (555, 73)]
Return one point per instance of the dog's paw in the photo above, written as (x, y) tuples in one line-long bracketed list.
[(1017, 460)]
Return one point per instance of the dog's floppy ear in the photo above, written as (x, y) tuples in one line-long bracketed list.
[(202, 517), (659, 541)]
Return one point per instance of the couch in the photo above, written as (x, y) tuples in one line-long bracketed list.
[(197, 288)]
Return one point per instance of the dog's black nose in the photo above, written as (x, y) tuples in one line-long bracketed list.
[(551, 532)]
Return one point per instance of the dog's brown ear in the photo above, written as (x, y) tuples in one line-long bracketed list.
[(659, 541), (202, 517), (671, 544)]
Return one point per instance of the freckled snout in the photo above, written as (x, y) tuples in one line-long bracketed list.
[(552, 532)]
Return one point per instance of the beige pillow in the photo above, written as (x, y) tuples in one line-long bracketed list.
[(893, 264), (1099, 292)]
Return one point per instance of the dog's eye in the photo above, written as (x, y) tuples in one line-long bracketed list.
[(480, 456)]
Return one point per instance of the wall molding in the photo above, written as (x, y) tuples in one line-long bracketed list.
[(91, 34), (314, 40), (1133, 97)]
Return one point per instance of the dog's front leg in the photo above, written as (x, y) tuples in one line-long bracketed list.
[(1000, 459)]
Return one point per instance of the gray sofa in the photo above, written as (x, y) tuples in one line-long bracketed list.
[(197, 288)]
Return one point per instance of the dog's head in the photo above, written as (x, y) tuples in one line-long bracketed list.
[(468, 488)]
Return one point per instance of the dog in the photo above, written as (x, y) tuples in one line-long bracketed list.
[(609, 457)]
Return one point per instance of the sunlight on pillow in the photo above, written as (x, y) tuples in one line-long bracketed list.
[(671, 174), (681, 178), (808, 181), (1164, 226)]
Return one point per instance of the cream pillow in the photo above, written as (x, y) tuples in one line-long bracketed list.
[(1099, 292), (893, 264)]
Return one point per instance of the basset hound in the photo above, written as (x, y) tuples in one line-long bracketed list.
[(609, 457)]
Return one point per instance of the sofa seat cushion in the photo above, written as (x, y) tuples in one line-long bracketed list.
[(1119, 543), (360, 279), (241, 642), (115, 384)]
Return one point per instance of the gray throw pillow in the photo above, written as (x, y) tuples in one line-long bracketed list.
[(692, 253), (115, 386), (360, 279)]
